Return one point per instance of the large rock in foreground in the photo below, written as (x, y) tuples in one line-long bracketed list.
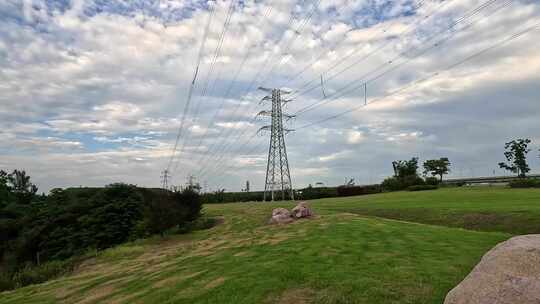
[(302, 210), (508, 274), (281, 216)]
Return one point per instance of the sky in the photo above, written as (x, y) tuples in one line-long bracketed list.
[(94, 92)]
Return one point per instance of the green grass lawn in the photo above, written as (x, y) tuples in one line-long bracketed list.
[(341, 256), (516, 211)]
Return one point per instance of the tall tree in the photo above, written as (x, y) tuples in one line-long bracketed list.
[(516, 155), (404, 168), (437, 167), (4, 189), (21, 186)]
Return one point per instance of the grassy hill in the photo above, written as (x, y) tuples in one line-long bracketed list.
[(347, 254)]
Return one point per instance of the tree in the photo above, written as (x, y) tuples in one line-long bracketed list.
[(191, 201), (5, 192), (437, 167), (516, 155), (405, 175), (404, 168), (21, 187)]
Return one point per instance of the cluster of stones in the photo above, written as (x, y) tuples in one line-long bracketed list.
[(284, 216)]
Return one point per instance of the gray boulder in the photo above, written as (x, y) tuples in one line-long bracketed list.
[(508, 274), (281, 216), (302, 210)]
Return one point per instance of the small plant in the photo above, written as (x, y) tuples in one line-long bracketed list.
[(358, 190), (422, 188), (39, 274), (525, 183), (6, 282), (433, 181), (397, 183)]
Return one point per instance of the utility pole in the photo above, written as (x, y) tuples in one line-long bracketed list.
[(278, 176), (165, 177)]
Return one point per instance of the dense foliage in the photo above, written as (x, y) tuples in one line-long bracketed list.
[(358, 190), (221, 196), (516, 155), (406, 175), (422, 188), (405, 168), (35, 230), (525, 183), (437, 167), (431, 181)]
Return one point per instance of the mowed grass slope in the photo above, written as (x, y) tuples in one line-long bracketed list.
[(516, 211), (341, 256)]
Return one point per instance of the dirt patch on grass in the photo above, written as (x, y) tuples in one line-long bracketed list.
[(98, 293), (215, 283), (294, 296), (274, 239), (126, 298), (176, 279)]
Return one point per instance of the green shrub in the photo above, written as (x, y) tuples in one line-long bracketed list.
[(6, 282), (39, 274), (358, 190), (401, 183), (220, 197), (525, 183), (172, 210), (422, 187), (391, 184), (310, 193), (432, 181)]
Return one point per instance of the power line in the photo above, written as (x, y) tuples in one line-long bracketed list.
[(249, 88), (228, 91), (297, 34), (415, 83), (256, 149), (225, 147), (190, 91), (212, 65), (408, 30), (325, 52), (467, 15), (439, 42), (394, 59)]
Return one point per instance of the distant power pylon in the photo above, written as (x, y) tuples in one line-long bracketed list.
[(165, 177), (278, 176)]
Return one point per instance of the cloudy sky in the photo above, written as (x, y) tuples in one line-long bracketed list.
[(93, 92)]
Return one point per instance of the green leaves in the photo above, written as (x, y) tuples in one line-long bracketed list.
[(516, 155), (437, 167)]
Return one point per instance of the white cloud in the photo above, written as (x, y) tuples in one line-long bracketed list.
[(107, 90), (355, 137)]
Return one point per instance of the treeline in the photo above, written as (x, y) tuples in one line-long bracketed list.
[(406, 177), (307, 193), (45, 233)]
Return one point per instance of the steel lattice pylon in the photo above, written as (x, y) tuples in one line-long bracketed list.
[(278, 176)]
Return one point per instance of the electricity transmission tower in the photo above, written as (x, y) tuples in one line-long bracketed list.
[(278, 176), (165, 177)]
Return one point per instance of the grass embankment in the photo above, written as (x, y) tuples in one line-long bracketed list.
[(516, 211), (338, 257)]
